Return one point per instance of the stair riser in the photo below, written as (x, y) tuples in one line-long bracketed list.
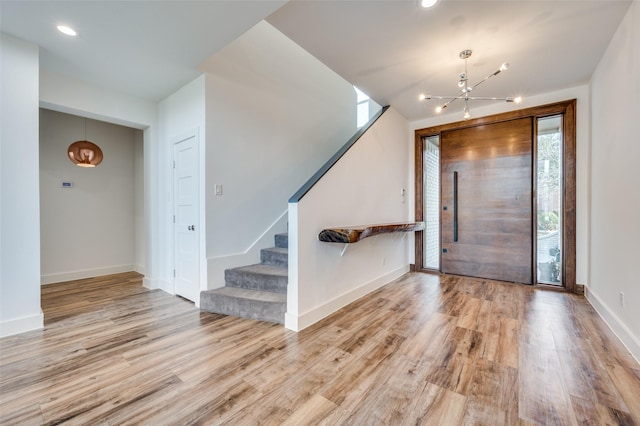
[(282, 240), (253, 281), (256, 300), (274, 258), (251, 309)]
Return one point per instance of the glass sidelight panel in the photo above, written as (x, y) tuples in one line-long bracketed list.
[(549, 200), (431, 208)]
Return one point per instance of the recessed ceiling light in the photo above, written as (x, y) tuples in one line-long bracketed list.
[(67, 30), (428, 3)]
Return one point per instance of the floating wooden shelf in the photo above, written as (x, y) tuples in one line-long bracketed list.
[(353, 234)]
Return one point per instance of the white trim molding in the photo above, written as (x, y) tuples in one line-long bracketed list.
[(151, 283), (85, 273), (21, 325), (302, 321), (622, 332)]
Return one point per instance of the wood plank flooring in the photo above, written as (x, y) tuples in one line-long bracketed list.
[(422, 350)]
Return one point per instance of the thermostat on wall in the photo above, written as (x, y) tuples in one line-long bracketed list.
[(67, 184)]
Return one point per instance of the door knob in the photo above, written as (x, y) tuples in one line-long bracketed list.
[(191, 227)]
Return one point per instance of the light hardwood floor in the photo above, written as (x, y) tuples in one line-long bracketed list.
[(421, 350)]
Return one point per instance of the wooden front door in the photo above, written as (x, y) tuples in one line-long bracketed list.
[(486, 199)]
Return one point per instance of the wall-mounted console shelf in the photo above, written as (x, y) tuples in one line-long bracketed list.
[(353, 234)]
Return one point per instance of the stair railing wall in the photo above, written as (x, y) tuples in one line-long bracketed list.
[(362, 183), (273, 116)]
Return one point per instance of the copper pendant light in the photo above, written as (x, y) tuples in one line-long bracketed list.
[(85, 153)]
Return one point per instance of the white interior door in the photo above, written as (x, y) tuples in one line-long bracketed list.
[(186, 218)]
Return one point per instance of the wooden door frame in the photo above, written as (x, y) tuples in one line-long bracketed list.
[(568, 110)]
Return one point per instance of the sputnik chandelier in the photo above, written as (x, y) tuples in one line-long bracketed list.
[(466, 89)]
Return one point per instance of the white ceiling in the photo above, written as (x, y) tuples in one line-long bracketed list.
[(393, 50), (147, 49)]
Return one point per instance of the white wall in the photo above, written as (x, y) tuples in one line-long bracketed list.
[(89, 229), (364, 187), (63, 94), (274, 115), (19, 204), (181, 113), (138, 207), (581, 94), (615, 183)]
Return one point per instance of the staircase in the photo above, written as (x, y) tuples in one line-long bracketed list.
[(257, 291)]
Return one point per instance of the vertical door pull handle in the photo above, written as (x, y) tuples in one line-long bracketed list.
[(455, 207)]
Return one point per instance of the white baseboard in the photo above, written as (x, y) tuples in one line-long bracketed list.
[(150, 283), (86, 273), (300, 322), (158, 284), (21, 325), (139, 269), (167, 287), (626, 336)]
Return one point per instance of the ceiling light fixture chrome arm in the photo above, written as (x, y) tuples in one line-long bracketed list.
[(449, 98), (503, 67), (465, 89)]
